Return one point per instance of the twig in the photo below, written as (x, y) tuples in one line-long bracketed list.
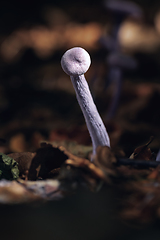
[(138, 163)]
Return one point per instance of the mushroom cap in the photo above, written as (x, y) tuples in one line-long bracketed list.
[(75, 61)]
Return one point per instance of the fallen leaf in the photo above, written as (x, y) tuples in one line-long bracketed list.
[(45, 160), (143, 152)]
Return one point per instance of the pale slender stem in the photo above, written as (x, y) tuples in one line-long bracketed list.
[(97, 130)]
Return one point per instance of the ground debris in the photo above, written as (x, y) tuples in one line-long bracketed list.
[(11, 192), (21, 191), (53, 171)]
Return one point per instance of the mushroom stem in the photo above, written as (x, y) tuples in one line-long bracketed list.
[(93, 120)]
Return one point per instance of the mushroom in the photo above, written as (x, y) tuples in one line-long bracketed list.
[(75, 62)]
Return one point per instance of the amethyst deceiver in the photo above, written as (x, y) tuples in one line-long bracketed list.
[(75, 62)]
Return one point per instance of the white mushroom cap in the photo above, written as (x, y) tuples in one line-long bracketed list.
[(75, 61)]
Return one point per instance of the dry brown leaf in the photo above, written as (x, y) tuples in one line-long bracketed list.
[(45, 160), (82, 163), (143, 152), (41, 163)]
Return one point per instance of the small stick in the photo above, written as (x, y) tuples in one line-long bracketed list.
[(137, 163)]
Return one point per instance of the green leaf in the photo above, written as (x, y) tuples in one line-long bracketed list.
[(8, 168)]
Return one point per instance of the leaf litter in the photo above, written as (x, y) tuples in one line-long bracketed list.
[(53, 172)]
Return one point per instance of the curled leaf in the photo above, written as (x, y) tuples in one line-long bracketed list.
[(143, 152), (45, 160), (78, 170)]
